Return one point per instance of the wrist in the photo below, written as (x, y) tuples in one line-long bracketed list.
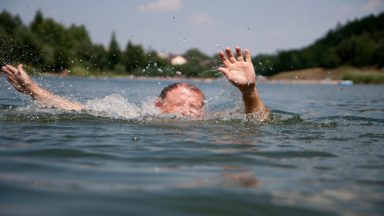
[(35, 91), (250, 91), (252, 101)]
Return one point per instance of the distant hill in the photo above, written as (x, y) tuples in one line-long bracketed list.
[(358, 43)]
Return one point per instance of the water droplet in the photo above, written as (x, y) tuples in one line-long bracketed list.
[(184, 40), (155, 64), (260, 63), (178, 73), (135, 138)]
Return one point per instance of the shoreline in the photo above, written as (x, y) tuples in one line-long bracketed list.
[(304, 76)]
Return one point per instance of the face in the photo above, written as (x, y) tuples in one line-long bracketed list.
[(183, 101)]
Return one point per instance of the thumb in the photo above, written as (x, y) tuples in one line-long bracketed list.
[(20, 68), (223, 70)]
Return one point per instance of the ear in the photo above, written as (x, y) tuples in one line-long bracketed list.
[(158, 102)]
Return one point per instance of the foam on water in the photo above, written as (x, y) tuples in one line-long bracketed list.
[(116, 106)]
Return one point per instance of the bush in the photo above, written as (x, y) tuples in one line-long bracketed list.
[(364, 77)]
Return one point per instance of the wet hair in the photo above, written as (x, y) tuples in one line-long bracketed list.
[(192, 87)]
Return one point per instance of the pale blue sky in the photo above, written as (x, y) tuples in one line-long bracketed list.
[(263, 26)]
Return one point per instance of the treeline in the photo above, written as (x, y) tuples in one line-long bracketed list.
[(358, 43), (50, 46)]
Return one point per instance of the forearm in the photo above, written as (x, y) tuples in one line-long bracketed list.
[(253, 104), (48, 99)]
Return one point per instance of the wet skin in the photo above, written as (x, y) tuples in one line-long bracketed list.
[(182, 101), (179, 101)]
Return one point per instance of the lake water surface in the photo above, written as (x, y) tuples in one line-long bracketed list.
[(322, 154)]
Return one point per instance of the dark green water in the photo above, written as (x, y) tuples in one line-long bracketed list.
[(323, 154)]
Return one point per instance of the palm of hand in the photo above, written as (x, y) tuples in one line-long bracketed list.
[(241, 73), (23, 82), (18, 78)]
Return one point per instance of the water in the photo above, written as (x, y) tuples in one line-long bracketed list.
[(321, 155)]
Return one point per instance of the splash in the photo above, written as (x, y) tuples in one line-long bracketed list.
[(116, 106)]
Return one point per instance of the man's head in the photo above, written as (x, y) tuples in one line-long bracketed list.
[(181, 98)]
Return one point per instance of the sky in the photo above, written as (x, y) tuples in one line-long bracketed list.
[(174, 26)]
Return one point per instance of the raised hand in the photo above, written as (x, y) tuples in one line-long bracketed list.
[(23, 83), (239, 71), (18, 78)]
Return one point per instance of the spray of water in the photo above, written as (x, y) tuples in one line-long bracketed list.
[(116, 106)]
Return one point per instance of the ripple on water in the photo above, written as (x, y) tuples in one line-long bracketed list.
[(58, 153)]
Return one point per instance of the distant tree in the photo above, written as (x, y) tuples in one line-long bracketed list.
[(135, 57), (114, 53), (199, 64), (51, 46)]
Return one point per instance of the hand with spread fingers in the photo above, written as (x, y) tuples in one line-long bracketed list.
[(18, 78), (239, 71)]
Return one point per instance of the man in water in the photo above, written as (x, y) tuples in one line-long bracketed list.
[(180, 98)]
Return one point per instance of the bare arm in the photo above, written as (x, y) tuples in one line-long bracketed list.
[(241, 73), (22, 82)]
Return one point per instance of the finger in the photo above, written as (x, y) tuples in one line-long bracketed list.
[(20, 69), (224, 59), (11, 68), (239, 55), (230, 55), (8, 72), (223, 70), (12, 81), (247, 56)]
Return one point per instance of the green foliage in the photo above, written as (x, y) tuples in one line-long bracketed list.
[(364, 77), (358, 43), (79, 71), (114, 53), (51, 46), (198, 64), (135, 57)]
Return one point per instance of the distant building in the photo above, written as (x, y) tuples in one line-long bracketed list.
[(163, 55), (178, 60)]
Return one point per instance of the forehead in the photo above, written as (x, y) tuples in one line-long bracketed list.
[(184, 92)]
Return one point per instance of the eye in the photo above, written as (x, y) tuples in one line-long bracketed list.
[(195, 106)]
